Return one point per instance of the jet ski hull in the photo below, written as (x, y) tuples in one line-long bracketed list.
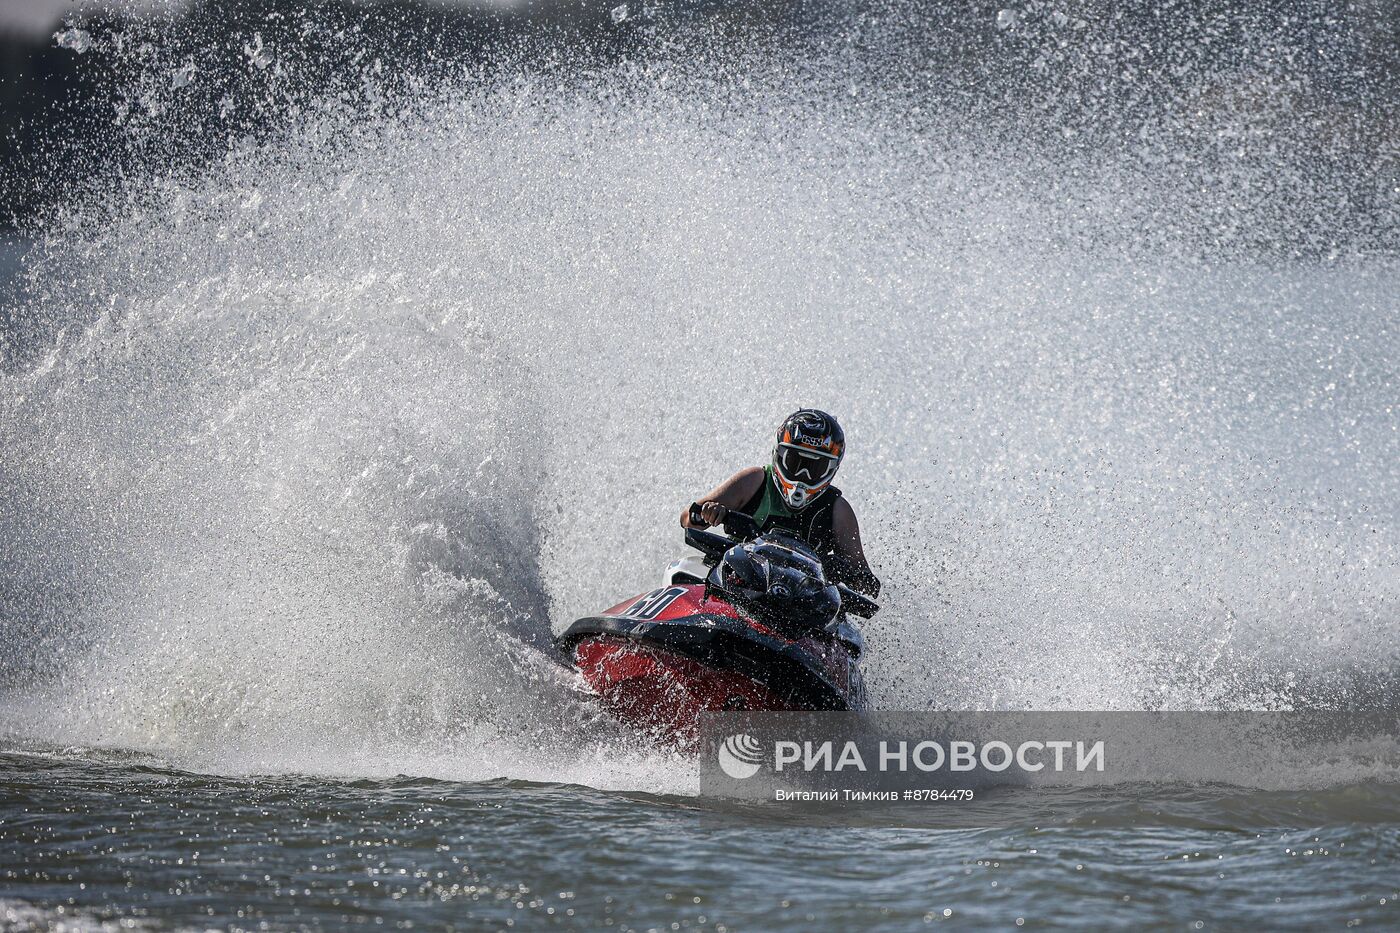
[(659, 692), (662, 659)]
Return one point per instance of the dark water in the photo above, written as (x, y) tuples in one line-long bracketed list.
[(89, 837)]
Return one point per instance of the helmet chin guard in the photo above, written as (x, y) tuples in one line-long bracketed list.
[(796, 496)]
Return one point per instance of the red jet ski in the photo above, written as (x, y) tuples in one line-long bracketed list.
[(753, 624)]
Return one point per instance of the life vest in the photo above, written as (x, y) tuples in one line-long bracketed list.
[(812, 523)]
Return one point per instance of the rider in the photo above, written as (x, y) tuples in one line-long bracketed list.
[(795, 492)]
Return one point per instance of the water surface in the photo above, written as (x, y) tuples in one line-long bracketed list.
[(88, 837)]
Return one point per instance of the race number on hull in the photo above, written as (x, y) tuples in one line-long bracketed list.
[(654, 603)]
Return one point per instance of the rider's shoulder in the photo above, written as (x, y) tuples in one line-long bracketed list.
[(748, 476), (741, 485)]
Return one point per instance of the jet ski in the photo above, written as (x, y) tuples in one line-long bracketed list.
[(752, 623)]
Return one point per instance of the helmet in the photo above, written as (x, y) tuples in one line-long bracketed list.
[(809, 449)]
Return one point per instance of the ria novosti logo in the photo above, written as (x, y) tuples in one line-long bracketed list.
[(740, 756)]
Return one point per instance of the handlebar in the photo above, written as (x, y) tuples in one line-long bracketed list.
[(740, 524), (857, 604)]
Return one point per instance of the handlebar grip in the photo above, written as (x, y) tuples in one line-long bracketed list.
[(734, 521), (857, 603)]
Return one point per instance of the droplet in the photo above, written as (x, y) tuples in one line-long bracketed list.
[(183, 76), (73, 38), (257, 54)]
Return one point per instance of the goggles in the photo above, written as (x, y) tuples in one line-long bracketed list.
[(805, 465)]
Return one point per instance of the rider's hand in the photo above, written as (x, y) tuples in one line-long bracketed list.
[(712, 513)]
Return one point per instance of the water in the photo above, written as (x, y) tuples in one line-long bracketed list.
[(188, 850), (357, 377)]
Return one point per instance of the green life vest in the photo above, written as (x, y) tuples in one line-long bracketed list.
[(811, 523)]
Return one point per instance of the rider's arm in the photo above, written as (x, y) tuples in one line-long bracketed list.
[(850, 555), (730, 494)]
